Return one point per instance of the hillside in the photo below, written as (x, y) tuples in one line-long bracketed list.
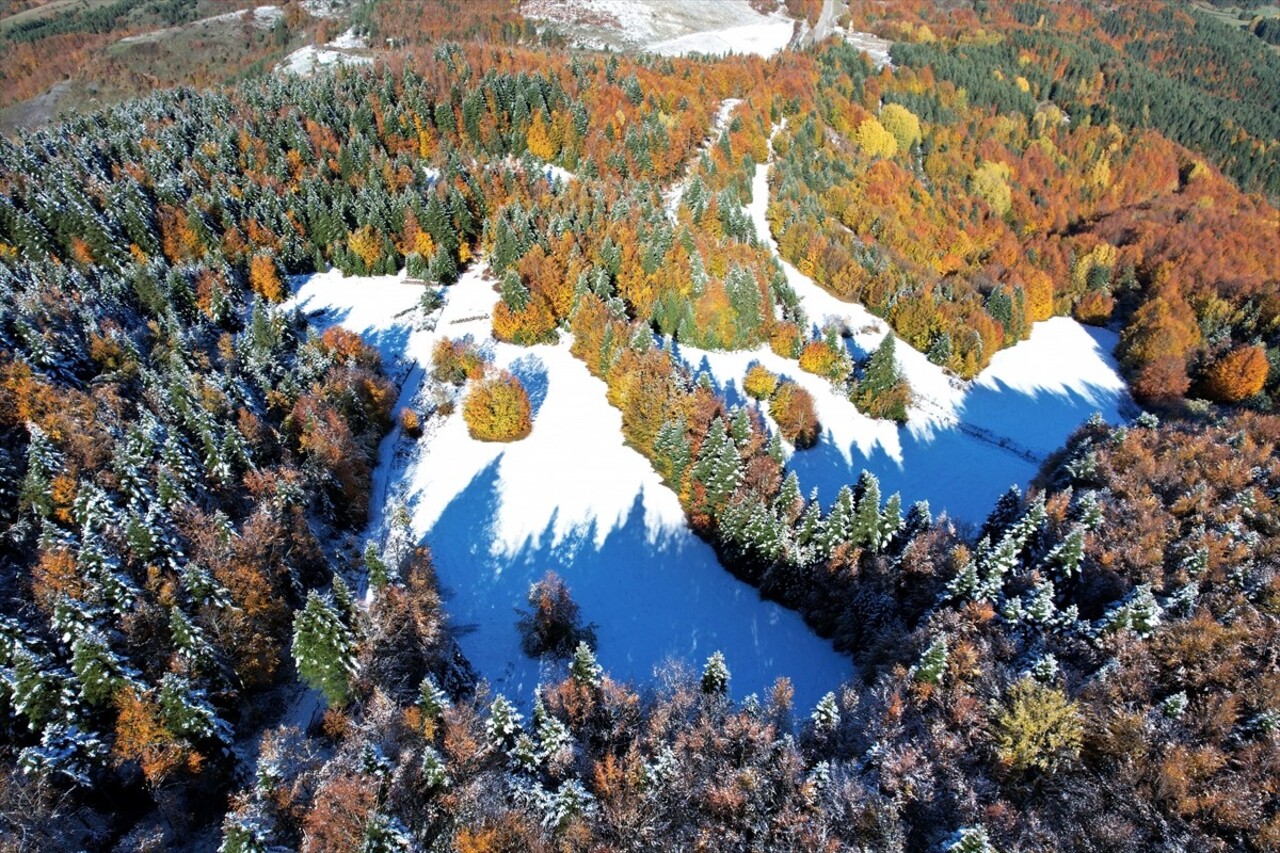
[(573, 425)]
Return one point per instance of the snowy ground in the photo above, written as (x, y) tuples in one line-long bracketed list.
[(261, 17), (876, 48), (668, 27), (964, 443), (306, 61), (571, 497)]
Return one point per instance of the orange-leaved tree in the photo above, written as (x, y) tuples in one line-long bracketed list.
[(498, 409)]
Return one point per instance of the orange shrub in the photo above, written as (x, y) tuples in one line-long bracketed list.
[(1162, 380), (498, 409), (264, 278), (792, 409), (410, 423), (820, 358), (1094, 308), (760, 382), (1238, 375)]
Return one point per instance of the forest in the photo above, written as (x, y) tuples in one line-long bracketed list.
[(185, 464)]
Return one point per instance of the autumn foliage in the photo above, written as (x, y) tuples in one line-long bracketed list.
[(1238, 375), (498, 409), (792, 409)]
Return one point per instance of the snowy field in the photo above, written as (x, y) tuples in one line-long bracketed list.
[(667, 27), (964, 443), (572, 498)]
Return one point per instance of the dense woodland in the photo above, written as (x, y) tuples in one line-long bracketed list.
[(185, 465)]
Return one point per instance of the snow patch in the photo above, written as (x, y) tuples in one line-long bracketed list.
[(571, 497), (669, 27), (349, 40), (306, 61)]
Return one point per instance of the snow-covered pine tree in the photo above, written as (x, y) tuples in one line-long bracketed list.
[(826, 715), (932, 665), (715, 676), (324, 649), (504, 723), (584, 668)]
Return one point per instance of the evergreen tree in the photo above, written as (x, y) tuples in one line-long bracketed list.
[(715, 676), (826, 716), (584, 668), (933, 663), (324, 649)]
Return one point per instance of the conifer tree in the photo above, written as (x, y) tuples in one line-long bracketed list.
[(715, 676), (584, 668), (324, 649)]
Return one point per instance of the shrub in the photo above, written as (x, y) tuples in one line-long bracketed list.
[(824, 359), (1039, 728), (456, 361), (410, 423), (498, 409), (760, 382), (553, 624), (532, 324), (792, 409)]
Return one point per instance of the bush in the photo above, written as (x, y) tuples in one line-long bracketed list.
[(760, 382), (456, 361), (1039, 728), (820, 357), (410, 423), (498, 409), (1237, 376), (792, 409)]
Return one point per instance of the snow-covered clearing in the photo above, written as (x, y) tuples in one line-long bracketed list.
[(306, 61), (261, 17), (668, 27), (349, 40), (571, 497), (964, 443), (876, 48)]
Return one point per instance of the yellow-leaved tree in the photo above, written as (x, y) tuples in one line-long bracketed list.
[(498, 409), (903, 124), (872, 138)]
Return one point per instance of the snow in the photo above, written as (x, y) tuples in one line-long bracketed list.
[(876, 48), (964, 443), (761, 39), (572, 498), (262, 17), (668, 27), (324, 8), (349, 40), (306, 61)]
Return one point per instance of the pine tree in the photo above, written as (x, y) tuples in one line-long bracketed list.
[(584, 668), (435, 776), (826, 716), (865, 529), (933, 663), (324, 649), (970, 839), (891, 519), (504, 723), (715, 676), (672, 453), (431, 699)]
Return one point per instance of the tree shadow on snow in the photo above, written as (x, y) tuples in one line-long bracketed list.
[(654, 595)]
